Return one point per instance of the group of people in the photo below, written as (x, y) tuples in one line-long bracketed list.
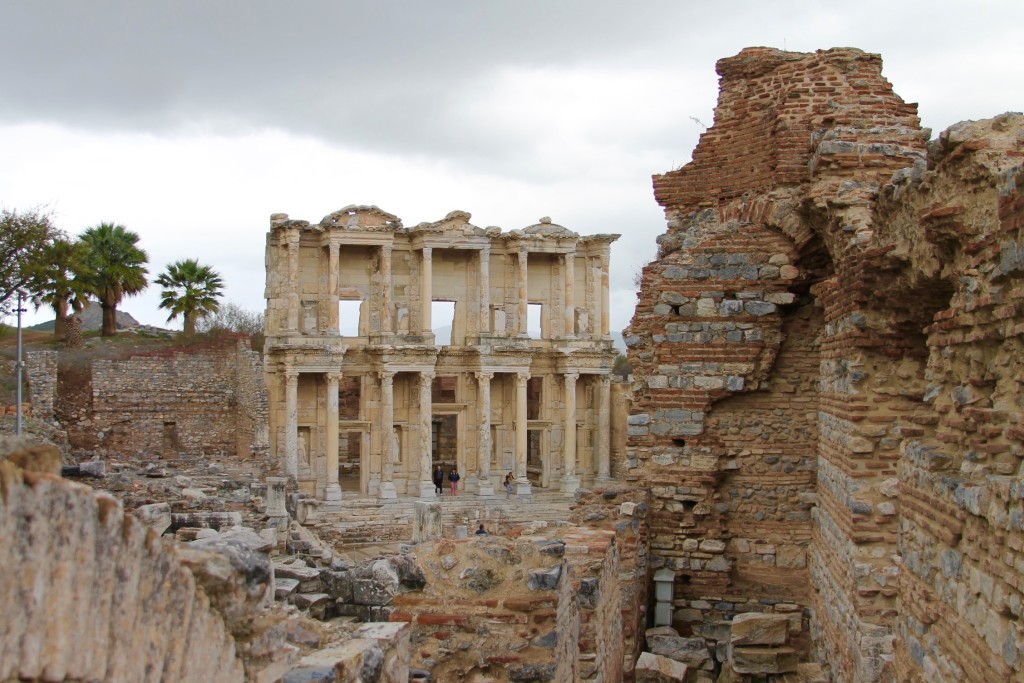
[(453, 479)]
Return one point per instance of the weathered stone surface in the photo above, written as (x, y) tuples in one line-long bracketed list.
[(691, 651), (545, 579), (652, 668), (238, 580), (756, 628), (156, 516), (752, 659)]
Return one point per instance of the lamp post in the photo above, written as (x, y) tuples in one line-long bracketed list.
[(19, 365)]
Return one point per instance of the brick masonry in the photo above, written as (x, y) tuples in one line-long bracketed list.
[(826, 353)]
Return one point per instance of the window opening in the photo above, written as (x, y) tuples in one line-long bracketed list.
[(442, 319), (533, 320), (349, 317)]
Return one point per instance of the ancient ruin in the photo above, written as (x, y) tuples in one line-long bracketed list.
[(817, 475), (827, 357), (496, 397)]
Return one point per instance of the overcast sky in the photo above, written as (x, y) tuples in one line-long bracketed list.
[(190, 122)]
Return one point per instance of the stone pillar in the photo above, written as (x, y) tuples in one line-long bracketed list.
[(293, 280), (386, 314), (388, 456), (426, 521), (426, 289), (605, 312), (570, 482), (291, 423), (277, 513), (426, 482), (485, 290), (332, 494), (483, 458), (332, 286), (523, 293), (604, 433), (569, 324), (522, 481)]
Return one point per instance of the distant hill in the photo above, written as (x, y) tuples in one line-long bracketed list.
[(92, 319)]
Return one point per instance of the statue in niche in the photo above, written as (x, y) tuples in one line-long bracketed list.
[(303, 452)]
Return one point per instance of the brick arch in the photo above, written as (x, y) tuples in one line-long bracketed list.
[(90, 594)]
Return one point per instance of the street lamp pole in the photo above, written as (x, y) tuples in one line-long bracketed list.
[(19, 365)]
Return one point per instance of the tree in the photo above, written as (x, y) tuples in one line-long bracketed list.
[(117, 268), (191, 291), (24, 237), (232, 318), (622, 367), (61, 281)]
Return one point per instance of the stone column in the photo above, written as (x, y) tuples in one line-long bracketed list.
[(386, 313), (603, 444), (332, 286), (426, 482), (570, 482), (483, 458), (605, 312), (426, 295), (522, 481), (388, 456), (293, 280), (523, 293), (277, 493), (332, 494), (291, 423), (485, 290), (569, 324)]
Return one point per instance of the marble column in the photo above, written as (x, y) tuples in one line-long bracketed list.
[(604, 435), (291, 423), (605, 312), (524, 294), (569, 324), (426, 482), (332, 286), (388, 439), (522, 481), (332, 494), (426, 290), (570, 482), (293, 280), (485, 290), (386, 314), (485, 487)]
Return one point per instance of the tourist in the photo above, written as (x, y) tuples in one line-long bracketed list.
[(508, 485), (481, 531), (453, 479), (438, 479)]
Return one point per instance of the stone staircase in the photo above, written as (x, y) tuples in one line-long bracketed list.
[(371, 520)]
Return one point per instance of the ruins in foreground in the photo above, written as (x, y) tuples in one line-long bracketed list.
[(819, 477)]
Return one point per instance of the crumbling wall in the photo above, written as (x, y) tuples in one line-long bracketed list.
[(90, 595), (814, 228), (192, 402), (41, 373)]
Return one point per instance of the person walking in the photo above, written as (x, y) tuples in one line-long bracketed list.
[(508, 485), (453, 479), (438, 480)]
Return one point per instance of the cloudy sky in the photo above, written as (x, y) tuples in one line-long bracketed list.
[(192, 121)]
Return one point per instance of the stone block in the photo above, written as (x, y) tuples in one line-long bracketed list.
[(755, 628), (156, 516), (752, 659), (652, 668), (691, 651)]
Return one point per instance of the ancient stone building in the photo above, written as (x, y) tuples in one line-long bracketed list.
[(827, 351), (357, 377)]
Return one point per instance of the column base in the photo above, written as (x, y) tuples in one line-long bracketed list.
[(523, 487), (387, 490), (484, 488), (427, 489), (332, 495), (569, 484)]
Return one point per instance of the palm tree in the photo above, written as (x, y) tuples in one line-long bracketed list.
[(117, 268), (62, 280), (191, 291)]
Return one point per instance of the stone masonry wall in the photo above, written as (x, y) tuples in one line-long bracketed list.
[(41, 372), (819, 259), (183, 402)]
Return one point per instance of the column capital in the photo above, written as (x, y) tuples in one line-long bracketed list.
[(386, 248), (427, 375), (333, 378), (386, 376), (571, 376), (292, 236), (291, 377), (334, 246), (428, 252), (606, 380), (522, 378), (484, 376), (485, 251)]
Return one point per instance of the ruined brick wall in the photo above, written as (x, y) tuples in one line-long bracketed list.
[(820, 260), (195, 402), (41, 373)]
